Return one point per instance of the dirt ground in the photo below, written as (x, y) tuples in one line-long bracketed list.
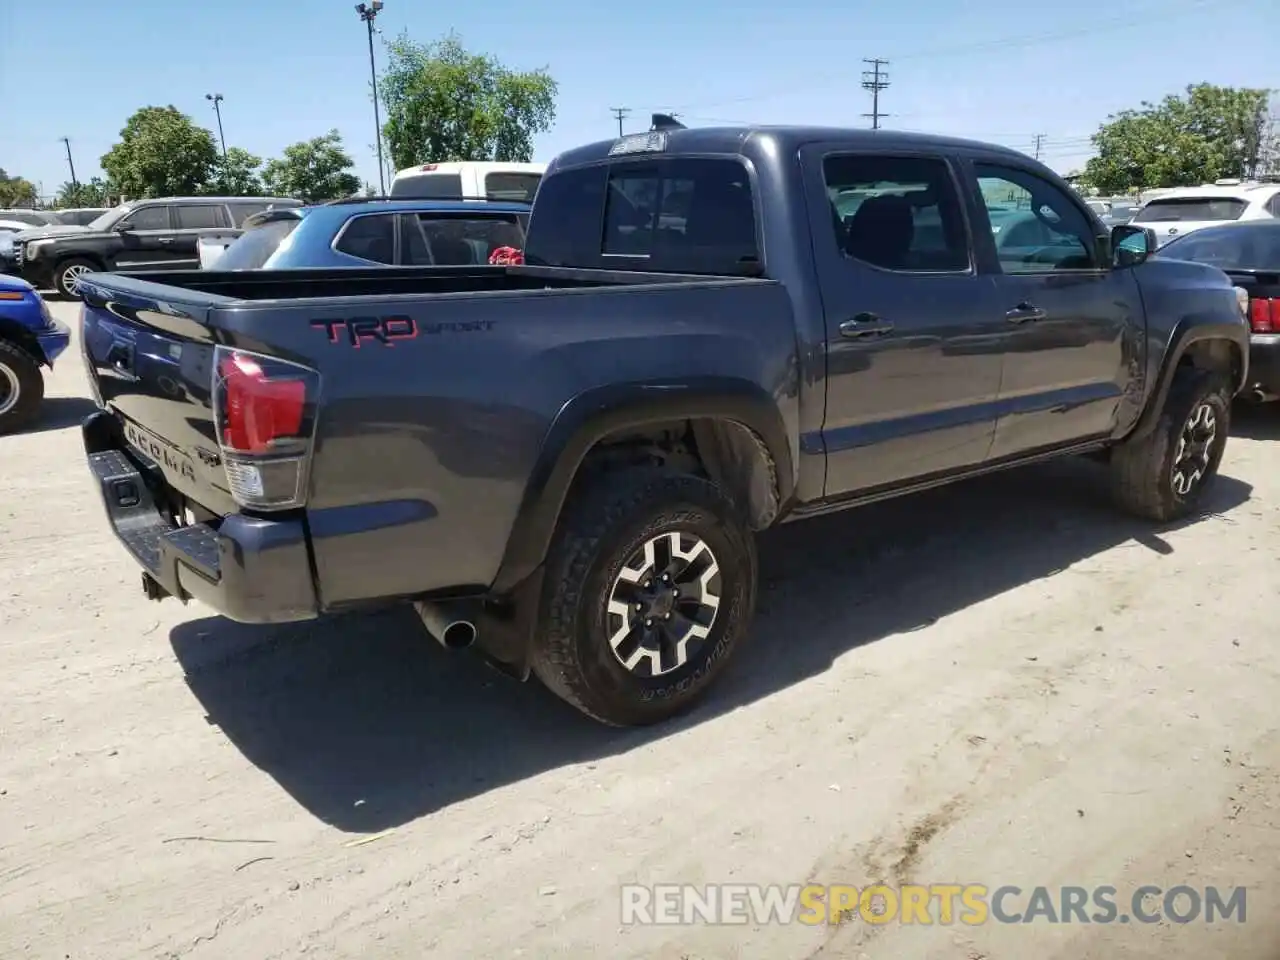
[(1005, 682)]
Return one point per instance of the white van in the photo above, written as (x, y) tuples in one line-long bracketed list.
[(469, 180)]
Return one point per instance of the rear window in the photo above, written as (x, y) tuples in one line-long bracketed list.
[(428, 186), (519, 187), (674, 215), (252, 249), (457, 241), (1243, 247), (200, 217), (1191, 208)]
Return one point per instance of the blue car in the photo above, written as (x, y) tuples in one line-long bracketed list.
[(30, 338), (394, 233)]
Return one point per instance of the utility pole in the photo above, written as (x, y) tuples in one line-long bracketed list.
[(368, 13), (217, 99), (621, 113), (1039, 143), (875, 80), (75, 184)]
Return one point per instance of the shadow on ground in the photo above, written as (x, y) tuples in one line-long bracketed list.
[(1256, 421), (369, 709), (58, 413)]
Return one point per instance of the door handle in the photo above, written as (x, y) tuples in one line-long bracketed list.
[(865, 325), (164, 241), (1025, 313)]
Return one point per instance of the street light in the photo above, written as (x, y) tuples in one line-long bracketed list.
[(217, 98), (368, 13)]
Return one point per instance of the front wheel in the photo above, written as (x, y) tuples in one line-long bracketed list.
[(66, 276), (651, 585), (1166, 474)]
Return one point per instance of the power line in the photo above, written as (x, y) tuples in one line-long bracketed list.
[(1164, 12), (620, 113), (875, 80)]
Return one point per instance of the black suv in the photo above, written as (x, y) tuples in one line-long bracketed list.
[(140, 235)]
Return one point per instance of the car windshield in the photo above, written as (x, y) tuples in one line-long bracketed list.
[(1243, 247), (1191, 208), (106, 220)]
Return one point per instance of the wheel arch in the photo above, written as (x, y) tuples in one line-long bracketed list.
[(738, 434), (22, 337), (1220, 346)]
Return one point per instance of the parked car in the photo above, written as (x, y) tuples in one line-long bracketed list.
[(30, 338), (142, 234), (79, 216), (363, 233), (32, 218), (468, 180), (1180, 211), (1249, 253), (565, 462)]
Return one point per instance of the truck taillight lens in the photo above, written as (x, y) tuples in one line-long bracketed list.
[(1264, 315), (264, 414)]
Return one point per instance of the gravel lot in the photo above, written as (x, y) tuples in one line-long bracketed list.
[(1003, 683)]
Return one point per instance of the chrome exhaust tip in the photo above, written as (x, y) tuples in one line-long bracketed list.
[(451, 631)]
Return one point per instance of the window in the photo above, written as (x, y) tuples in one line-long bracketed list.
[(1273, 205), (685, 216), (240, 210), (1191, 208), (148, 218), (253, 248), (369, 238), (564, 227), (428, 186), (1228, 248), (457, 240), (896, 213), (1036, 227), (200, 217), (511, 186)]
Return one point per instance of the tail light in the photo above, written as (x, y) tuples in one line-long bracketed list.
[(264, 411), (1264, 315)]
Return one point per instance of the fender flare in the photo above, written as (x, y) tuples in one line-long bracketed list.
[(24, 338), (1188, 332), (591, 416)]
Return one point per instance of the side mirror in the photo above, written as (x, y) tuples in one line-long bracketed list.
[(123, 227), (1131, 245)]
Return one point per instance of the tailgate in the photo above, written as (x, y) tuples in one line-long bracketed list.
[(149, 355)]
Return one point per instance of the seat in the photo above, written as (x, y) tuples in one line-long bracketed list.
[(881, 232), (721, 215), (450, 251)]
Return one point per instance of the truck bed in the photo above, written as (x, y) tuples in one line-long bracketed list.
[(391, 281)]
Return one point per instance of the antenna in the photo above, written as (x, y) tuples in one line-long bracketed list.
[(666, 121)]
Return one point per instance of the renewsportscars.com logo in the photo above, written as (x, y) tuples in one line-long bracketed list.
[(970, 904)]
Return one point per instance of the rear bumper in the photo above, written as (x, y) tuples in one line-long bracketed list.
[(1264, 362), (249, 569), (54, 341)]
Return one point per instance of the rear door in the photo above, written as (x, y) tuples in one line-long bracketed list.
[(1068, 321), (913, 363), (190, 221)]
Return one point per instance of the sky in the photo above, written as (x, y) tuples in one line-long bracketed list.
[(1000, 70)]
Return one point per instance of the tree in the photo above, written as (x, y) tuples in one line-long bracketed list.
[(95, 193), (1210, 133), (444, 103), (161, 153), (16, 192), (236, 175), (318, 169)]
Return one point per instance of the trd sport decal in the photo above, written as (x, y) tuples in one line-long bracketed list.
[(355, 331)]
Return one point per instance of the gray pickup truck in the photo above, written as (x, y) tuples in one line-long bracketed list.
[(714, 331)]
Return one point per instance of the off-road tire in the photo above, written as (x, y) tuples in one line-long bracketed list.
[(60, 281), (25, 371), (602, 527), (1142, 469)]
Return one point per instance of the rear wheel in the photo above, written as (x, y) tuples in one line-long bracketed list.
[(67, 274), (651, 585), (21, 387)]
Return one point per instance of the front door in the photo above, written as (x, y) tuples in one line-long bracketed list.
[(913, 367), (146, 240), (1069, 319)]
